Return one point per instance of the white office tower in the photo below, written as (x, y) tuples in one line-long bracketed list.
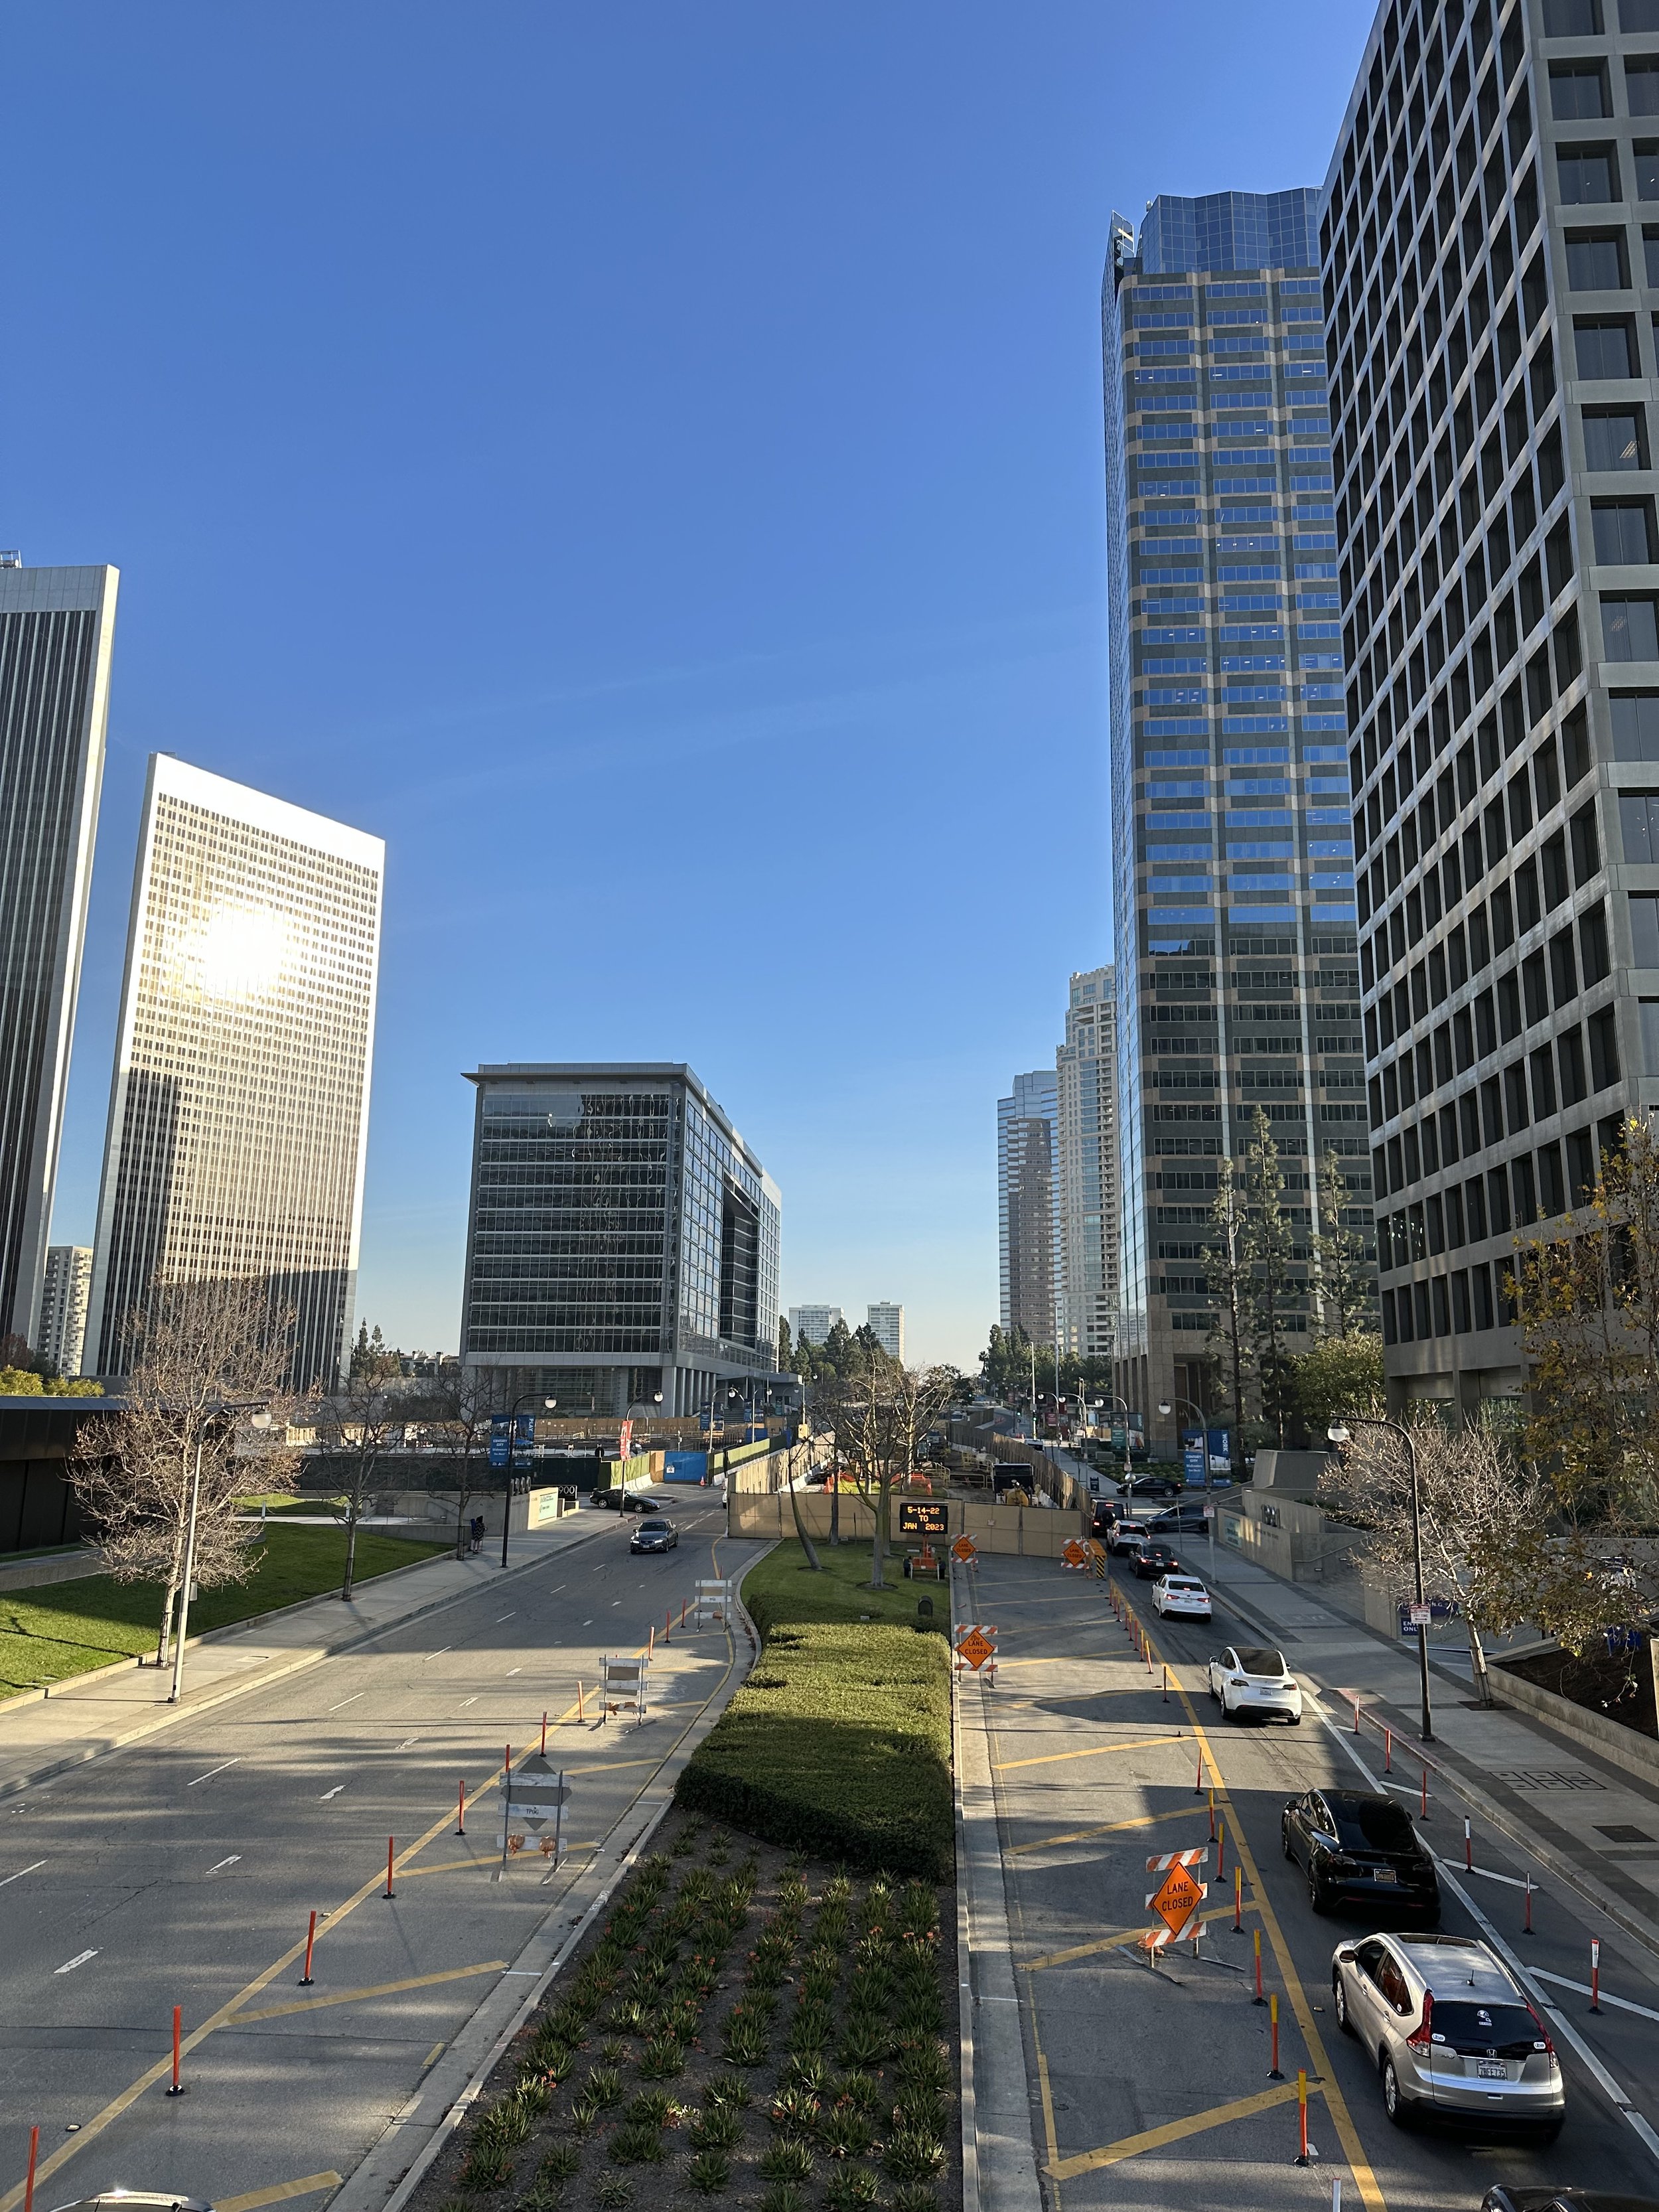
[(1085, 1147), (886, 1321), (238, 1111), (57, 626), (812, 1324), (62, 1336)]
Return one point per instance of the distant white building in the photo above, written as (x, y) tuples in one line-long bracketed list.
[(62, 1335), (812, 1324), (887, 1320)]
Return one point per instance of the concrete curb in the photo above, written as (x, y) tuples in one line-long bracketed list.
[(477, 2049), (970, 2202), (170, 1716)]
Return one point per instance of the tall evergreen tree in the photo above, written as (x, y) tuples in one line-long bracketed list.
[(1345, 1278), (1270, 1247), (1226, 1266)]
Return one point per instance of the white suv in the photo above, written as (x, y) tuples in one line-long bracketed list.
[(1255, 1682)]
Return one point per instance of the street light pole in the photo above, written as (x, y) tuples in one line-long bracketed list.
[(1339, 1432), (1166, 1406), (523, 1399)]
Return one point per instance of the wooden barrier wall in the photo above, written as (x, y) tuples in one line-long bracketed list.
[(1025, 1531)]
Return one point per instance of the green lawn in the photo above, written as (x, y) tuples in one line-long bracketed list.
[(68, 1628), (782, 1587)]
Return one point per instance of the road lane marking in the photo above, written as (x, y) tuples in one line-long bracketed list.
[(351, 1700), (22, 1871), (376, 1989), (500, 1617), (334, 1792), (1583, 1989), (408, 1743), (587, 1624), (432, 2058), (513, 1670), (1088, 1835), (556, 1588), (441, 1650), (212, 1770), (1096, 1751), (79, 1960), (308, 2185), (235, 1859), (1243, 2108), (465, 1702), (1047, 2106)]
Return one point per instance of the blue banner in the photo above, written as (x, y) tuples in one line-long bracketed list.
[(684, 1465)]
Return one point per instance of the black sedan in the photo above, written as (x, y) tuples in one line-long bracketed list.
[(1155, 1560), (1151, 1485), (1177, 1520), (654, 1535), (617, 1500), (1511, 2196), (1359, 1847)]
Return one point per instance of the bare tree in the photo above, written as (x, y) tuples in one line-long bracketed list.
[(456, 1411), (356, 1427), (875, 1414), (200, 1353)]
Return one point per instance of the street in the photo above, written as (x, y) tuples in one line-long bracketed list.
[(183, 1871), (1168, 2073)]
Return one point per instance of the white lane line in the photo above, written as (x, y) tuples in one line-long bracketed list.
[(587, 1624), (465, 1702), (334, 1792), (79, 1960), (500, 1617), (212, 1770), (351, 1700), (441, 1650), (1582, 1989), (556, 1588), (408, 1743), (1451, 1866), (235, 1859), (616, 1601), (515, 1670), (22, 1871)]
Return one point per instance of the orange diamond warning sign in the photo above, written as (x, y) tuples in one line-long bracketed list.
[(1074, 1555), (1176, 1896), (964, 1549), (976, 1647)]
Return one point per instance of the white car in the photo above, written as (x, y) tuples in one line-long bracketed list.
[(1182, 1595), (1255, 1683)]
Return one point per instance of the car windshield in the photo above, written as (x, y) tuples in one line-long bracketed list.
[(1485, 2026), (1263, 1662), (655, 1528), (1179, 1583), (1376, 1823)]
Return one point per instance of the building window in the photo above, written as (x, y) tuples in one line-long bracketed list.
[(1624, 531), (1616, 437), (1588, 175), (1649, 1035), (1572, 19), (1578, 90), (1645, 930), (1638, 826), (1629, 629), (1604, 1049), (1642, 84), (1604, 345), (1596, 261)]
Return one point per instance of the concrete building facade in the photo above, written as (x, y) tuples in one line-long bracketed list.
[(1085, 1149), (811, 1324), (62, 1332), (886, 1321), (1027, 1204)]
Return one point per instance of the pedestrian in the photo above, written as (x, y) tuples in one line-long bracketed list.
[(478, 1532)]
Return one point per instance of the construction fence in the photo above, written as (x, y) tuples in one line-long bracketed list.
[(1033, 1532)]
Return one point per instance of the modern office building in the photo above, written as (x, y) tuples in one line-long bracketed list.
[(1086, 1148), (1027, 1204), (1236, 970), (238, 1111), (1489, 291), (886, 1322), (812, 1324), (62, 1332), (56, 628), (623, 1240)]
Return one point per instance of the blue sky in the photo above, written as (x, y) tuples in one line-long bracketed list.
[(645, 463)]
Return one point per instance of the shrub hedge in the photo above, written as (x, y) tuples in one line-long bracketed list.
[(839, 1744)]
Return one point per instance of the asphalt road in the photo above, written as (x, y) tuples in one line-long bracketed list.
[(182, 1872), (1154, 2087)]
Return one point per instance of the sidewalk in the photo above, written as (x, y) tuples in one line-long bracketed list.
[(91, 1714), (1594, 1824)]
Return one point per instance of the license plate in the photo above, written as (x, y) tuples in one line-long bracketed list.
[(1491, 2069), (1385, 1873)]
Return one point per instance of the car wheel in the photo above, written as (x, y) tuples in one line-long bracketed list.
[(1231, 1713), (1316, 1892), (1295, 1720), (1340, 2005), (1284, 1841), (1393, 2104)]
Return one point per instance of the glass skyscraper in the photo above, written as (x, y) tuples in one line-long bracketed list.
[(1238, 980), (622, 1239), (1028, 1203), (1085, 1149), (56, 626), (238, 1113)]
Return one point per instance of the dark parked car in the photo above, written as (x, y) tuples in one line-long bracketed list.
[(1154, 1560), (654, 1535), (623, 1501), (1151, 1485), (1181, 1520), (1513, 2197), (1360, 1848)]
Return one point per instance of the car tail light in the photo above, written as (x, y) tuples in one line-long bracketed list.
[(1418, 2037)]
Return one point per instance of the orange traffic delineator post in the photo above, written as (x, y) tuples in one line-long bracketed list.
[(1166, 1686), (1273, 2073), (1238, 1901), (1468, 1849), (35, 2152), (667, 1623), (651, 1641), (1221, 1850), (543, 1735), (460, 1807), (1526, 1925), (1198, 1783), (1426, 1793), (1595, 1975), (1387, 1751), (177, 2088), (581, 1709), (1302, 2112), (390, 1892), (1213, 1815), (311, 1937), (1258, 1998), (683, 1604)]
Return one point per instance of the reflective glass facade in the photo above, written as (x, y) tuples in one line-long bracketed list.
[(624, 1239), (1028, 1203), (1237, 979)]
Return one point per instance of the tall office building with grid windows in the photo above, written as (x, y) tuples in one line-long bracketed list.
[(1027, 1204), (56, 628), (1490, 290), (239, 1112), (1085, 1159), (623, 1243), (1237, 974)]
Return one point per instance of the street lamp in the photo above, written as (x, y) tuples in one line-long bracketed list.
[(1166, 1406), (523, 1399), (1339, 1433), (1112, 1402), (259, 1420)]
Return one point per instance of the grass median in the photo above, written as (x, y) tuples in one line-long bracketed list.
[(49, 1633), (839, 1743)]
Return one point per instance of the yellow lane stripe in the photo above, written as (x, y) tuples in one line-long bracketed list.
[(1047, 2106), (1075, 1698), (1096, 1751), (308, 2186), (1110, 1828), (1243, 2108), (376, 1989)]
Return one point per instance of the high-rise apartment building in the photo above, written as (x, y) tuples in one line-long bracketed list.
[(886, 1321), (622, 1242), (1489, 291), (239, 1112), (1027, 1204), (56, 628), (1085, 1147), (62, 1332), (812, 1324), (1236, 970)]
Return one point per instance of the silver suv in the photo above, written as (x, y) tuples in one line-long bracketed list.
[(1451, 2030)]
